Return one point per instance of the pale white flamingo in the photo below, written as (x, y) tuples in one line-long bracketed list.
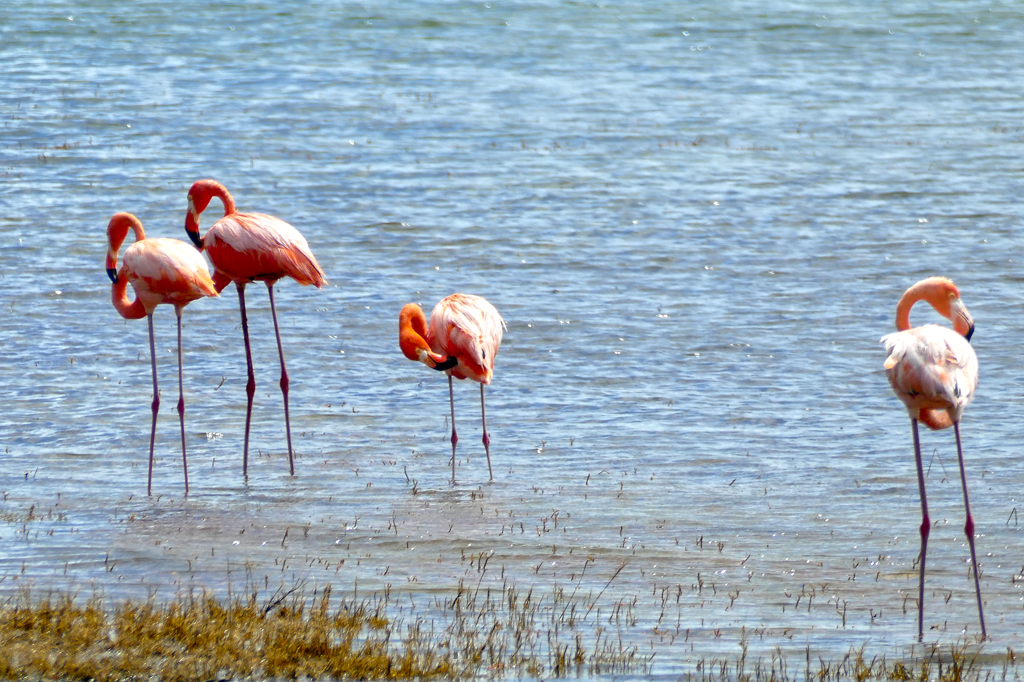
[(462, 340), (250, 247), (934, 371), (160, 271)]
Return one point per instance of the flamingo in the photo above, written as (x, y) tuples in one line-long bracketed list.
[(462, 340), (160, 271), (249, 247), (934, 371)]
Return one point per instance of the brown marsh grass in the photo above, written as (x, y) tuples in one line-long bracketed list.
[(304, 631), (954, 663)]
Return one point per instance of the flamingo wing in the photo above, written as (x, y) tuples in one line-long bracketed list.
[(167, 271), (467, 327), (251, 246), (931, 367)]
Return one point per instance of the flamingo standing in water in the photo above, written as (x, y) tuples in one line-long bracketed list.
[(462, 340), (249, 247), (160, 271), (934, 371)]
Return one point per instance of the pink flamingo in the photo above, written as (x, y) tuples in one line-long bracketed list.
[(249, 247), (934, 371), (462, 340), (160, 271)]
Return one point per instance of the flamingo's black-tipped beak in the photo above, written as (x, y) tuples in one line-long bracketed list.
[(450, 363), (112, 274), (192, 224), (963, 323)]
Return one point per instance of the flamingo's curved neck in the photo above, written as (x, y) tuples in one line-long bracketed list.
[(129, 310), (221, 192), (412, 331), (117, 230), (903, 313), (940, 293), (412, 339), (140, 233), (910, 297)]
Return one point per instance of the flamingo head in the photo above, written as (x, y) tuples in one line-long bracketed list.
[(117, 230), (199, 196), (944, 296)]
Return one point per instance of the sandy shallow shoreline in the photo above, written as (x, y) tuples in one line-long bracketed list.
[(645, 596)]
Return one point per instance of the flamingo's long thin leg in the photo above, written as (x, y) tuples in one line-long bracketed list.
[(156, 405), (926, 526), (969, 526), (486, 439), (250, 385), (181, 400), (284, 379), (455, 436)]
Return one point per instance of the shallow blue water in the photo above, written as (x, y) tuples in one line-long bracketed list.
[(695, 220)]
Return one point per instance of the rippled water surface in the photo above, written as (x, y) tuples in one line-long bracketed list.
[(695, 219)]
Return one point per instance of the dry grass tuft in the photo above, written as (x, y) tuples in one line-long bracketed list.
[(199, 637), (300, 632), (954, 663)]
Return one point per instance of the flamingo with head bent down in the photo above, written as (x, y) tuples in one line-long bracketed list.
[(462, 340), (160, 271), (934, 371), (251, 247)]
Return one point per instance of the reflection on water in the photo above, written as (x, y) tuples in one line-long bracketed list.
[(696, 223)]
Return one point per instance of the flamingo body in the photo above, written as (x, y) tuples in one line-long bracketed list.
[(166, 271), (160, 271), (462, 340), (468, 328), (934, 372), (251, 247)]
